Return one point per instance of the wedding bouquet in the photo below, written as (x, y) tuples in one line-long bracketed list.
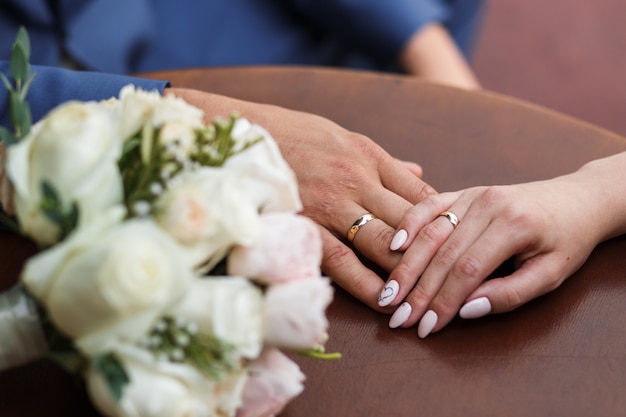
[(174, 270)]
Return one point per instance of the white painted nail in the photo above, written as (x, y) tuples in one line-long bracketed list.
[(401, 315), (427, 324), (388, 293), (475, 308), (398, 239)]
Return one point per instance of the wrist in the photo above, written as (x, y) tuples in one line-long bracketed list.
[(603, 184)]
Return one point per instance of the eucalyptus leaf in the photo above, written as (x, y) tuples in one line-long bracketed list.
[(19, 63), (23, 39), (7, 137), (49, 193), (15, 109), (113, 372), (26, 86), (6, 82)]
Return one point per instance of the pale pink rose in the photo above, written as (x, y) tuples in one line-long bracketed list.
[(273, 381), (289, 247), (295, 313)]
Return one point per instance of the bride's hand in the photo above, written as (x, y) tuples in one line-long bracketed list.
[(549, 227)]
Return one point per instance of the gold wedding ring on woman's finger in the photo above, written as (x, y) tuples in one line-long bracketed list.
[(356, 226), (452, 218)]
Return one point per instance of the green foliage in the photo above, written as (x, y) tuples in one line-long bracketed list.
[(19, 109), (113, 372), (215, 144), (210, 355), (177, 341), (52, 207)]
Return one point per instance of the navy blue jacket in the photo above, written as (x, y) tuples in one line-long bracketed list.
[(122, 36)]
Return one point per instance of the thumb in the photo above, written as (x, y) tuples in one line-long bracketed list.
[(536, 277)]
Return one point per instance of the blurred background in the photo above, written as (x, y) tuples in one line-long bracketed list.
[(568, 55)]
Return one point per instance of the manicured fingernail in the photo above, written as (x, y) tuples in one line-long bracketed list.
[(475, 308), (388, 294), (398, 239), (427, 324), (401, 315)]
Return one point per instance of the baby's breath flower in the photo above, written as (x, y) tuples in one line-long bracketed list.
[(141, 208)]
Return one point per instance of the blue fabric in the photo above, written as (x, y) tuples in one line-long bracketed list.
[(122, 36), (53, 86)]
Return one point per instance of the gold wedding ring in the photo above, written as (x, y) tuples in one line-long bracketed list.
[(360, 222), (454, 220)]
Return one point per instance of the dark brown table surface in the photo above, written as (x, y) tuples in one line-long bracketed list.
[(563, 354)]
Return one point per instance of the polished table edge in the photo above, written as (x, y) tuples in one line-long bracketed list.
[(256, 71)]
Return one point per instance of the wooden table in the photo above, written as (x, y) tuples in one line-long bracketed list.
[(561, 355)]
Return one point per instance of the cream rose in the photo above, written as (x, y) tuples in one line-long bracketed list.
[(295, 313), (289, 247), (207, 211), (75, 148), (230, 308), (270, 182), (109, 281), (156, 388)]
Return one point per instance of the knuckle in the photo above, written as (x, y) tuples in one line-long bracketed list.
[(493, 196), (403, 272), (467, 268), (445, 305), (336, 258), (446, 256), (382, 237), (419, 297), (430, 201), (432, 235), (424, 191), (513, 299)]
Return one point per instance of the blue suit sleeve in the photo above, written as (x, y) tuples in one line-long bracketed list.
[(53, 86)]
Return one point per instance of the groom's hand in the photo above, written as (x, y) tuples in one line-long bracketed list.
[(341, 175)]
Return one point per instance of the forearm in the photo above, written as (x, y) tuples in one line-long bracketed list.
[(432, 54)]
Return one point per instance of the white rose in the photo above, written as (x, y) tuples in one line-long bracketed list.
[(156, 388), (289, 247), (295, 313), (139, 107), (135, 109), (274, 380), (270, 181), (230, 308), (174, 109), (207, 211), (105, 284), (75, 148)]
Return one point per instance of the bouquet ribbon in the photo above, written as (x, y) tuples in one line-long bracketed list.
[(21, 336)]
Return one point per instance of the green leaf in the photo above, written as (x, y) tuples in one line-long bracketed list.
[(26, 86), (19, 63), (23, 39), (49, 193), (6, 82), (19, 111), (7, 137), (113, 372), (51, 206)]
